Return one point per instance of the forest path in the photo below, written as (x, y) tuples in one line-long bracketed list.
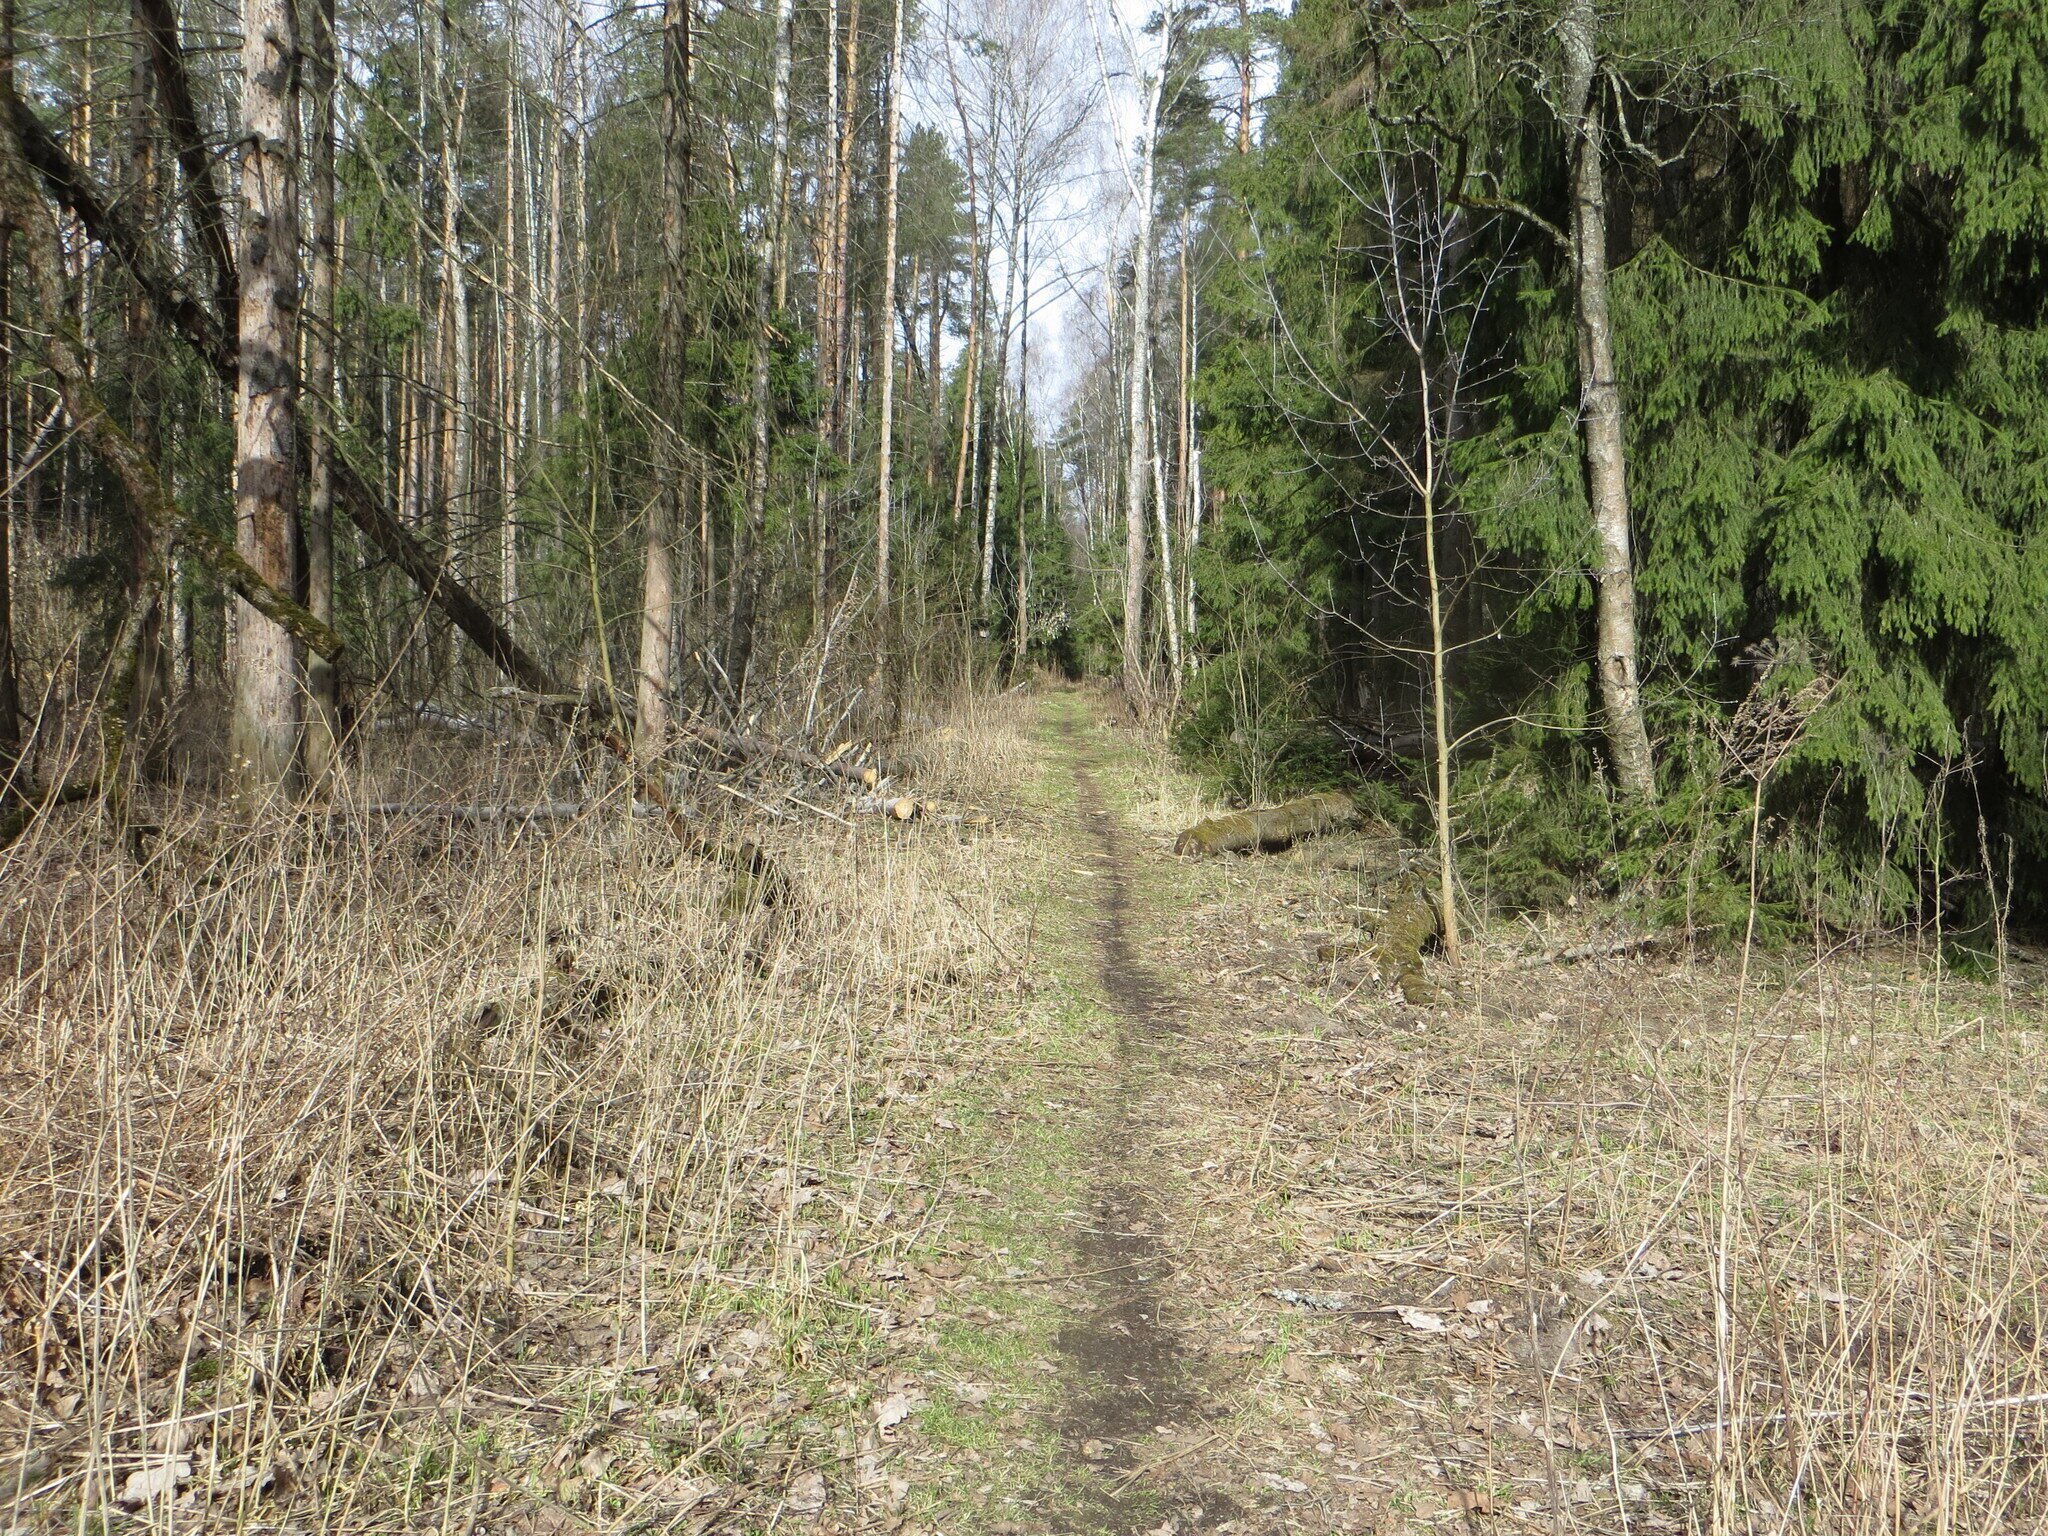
[(1134, 1376), (1122, 1382), (1234, 1238)]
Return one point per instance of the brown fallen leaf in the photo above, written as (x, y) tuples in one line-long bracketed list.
[(895, 1408), (153, 1483), (1473, 1501), (806, 1495)]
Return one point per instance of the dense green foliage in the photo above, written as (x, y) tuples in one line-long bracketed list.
[(1828, 223)]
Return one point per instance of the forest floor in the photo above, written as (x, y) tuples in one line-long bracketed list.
[(1258, 1246), (1026, 1179)]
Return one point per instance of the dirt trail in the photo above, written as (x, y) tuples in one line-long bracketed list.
[(1131, 1362), (1133, 1370)]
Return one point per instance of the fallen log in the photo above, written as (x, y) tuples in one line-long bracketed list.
[(149, 498), (539, 810), (173, 86), (1273, 827), (843, 762), (1604, 949), (21, 808), (1409, 924)]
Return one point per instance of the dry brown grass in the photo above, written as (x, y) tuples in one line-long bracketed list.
[(367, 1175), (1707, 1255)]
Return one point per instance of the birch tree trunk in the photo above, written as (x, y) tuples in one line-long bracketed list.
[(746, 560), (665, 516), (885, 449), (263, 728), (1600, 413), (322, 697), (1002, 378), (1138, 464), (1169, 585), (970, 362), (1020, 623)]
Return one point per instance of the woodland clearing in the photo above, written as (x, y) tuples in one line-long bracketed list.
[(1026, 1178)]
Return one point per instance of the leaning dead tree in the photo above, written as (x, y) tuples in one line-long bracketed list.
[(456, 346), (26, 149)]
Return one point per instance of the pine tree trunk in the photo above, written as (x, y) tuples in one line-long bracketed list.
[(665, 516), (935, 379), (323, 702), (144, 684), (505, 308), (10, 678), (842, 215), (829, 280), (550, 365), (263, 729), (457, 510), (1600, 410), (885, 449), (746, 560)]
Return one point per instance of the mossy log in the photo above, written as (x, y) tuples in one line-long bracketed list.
[(1395, 944), (1274, 827)]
